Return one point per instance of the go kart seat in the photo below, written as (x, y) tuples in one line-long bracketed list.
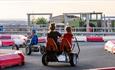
[(51, 45), (65, 46)]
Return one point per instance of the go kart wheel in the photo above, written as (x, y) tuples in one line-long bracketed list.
[(42, 49), (15, 47), (73, 59), (28, 51), (44, 60)]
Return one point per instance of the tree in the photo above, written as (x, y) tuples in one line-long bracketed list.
[(75, 23), (41, 21)]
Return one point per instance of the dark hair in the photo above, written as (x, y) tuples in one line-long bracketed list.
[(68, 29), (34, 31), (52, 26)]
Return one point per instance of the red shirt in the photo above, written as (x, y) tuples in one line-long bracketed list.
[(69, 37)]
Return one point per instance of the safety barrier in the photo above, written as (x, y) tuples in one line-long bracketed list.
[(9, 40), (87, 38), (10, 58), (94, 39), (97, 38), (20, 39)]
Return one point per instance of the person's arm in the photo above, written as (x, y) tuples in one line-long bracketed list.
[(48, 35), (72, 35), (31, 42), (34, 39), (59, 34)]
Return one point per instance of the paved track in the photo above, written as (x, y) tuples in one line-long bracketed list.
[(92, 56)]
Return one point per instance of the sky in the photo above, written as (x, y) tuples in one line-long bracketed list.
[(18, 9)]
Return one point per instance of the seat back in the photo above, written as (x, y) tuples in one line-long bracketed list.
[(65, 45), (51, 45)]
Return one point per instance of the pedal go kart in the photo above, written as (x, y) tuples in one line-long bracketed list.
[(19, 44), (53, 55), (35, 48)]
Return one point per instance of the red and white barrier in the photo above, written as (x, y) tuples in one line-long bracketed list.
[(10, 58), (23, 39), (95, 38), (80, 38), (9, 40), (5, 40)]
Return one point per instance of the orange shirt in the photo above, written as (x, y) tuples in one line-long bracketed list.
[(69, 37)]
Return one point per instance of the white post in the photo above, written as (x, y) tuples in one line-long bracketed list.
[(109, 25)]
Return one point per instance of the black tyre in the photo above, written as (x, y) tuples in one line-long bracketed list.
[(28, 50), (45, 60), (15, 47), (73, 59), (42, 49)]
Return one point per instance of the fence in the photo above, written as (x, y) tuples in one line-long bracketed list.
[(44, 30)]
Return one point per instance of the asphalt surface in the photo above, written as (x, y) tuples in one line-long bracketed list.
[(92, 56)]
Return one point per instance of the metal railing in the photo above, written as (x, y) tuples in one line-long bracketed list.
[(44, 30), (93, 29)]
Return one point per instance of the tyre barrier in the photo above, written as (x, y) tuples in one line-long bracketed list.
[(10, 58)]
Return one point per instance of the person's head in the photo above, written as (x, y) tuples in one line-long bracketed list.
[(52, 26), (33, 31), (68, 29)]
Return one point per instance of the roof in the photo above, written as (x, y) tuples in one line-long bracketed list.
[(59, 23), (13, 22)]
